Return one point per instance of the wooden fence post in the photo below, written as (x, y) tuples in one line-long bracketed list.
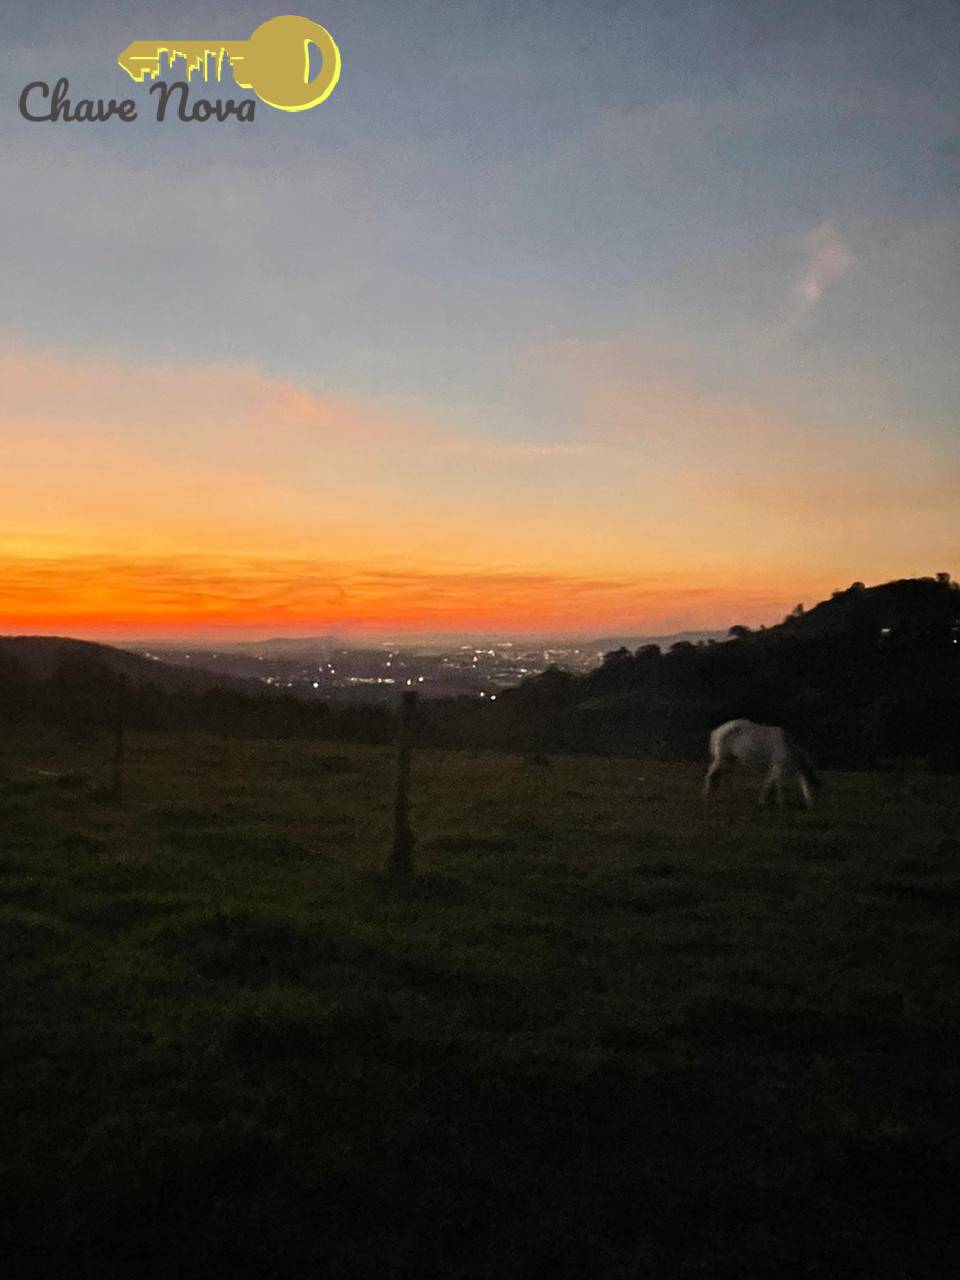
[(119, 730), (401, 856)]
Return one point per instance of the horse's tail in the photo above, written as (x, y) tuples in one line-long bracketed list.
[(803, 764)]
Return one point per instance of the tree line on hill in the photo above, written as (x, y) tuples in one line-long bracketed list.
[(869, 676)]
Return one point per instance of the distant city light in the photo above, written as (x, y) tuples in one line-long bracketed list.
[(450, 672)]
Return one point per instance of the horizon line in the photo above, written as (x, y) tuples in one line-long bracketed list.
[(379, 639)]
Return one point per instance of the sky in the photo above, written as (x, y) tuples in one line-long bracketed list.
[(553, 319)]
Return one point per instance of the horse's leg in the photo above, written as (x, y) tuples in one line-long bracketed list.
[(709, 781), (718, 770), (807, 793)]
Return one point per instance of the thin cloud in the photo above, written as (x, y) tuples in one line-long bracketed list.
[(827, 261), (69, 397)]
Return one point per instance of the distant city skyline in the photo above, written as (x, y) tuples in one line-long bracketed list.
[(552, 320)]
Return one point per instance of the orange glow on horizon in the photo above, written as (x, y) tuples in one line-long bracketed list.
[(192, 597), (270, 509)]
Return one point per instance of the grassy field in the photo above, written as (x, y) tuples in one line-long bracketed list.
[(605, 1031)]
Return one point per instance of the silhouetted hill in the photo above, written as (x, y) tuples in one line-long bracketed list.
[(894, 611), (871, 674), (287, 645), (39, 658), (74, 683)]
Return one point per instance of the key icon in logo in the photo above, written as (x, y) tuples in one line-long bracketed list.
[(274, 62)]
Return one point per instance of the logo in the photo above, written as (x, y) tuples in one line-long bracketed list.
[(274, 62)]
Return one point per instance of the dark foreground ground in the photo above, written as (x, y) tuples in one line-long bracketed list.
[(607, 1030)]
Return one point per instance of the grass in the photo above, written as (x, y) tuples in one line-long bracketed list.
[(605, 1031)]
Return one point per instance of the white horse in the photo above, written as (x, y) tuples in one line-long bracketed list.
[(764, 749)]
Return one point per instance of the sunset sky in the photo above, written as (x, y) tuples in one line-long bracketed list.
[(554, 318)]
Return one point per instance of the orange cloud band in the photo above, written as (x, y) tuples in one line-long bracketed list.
[(106, 595)]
